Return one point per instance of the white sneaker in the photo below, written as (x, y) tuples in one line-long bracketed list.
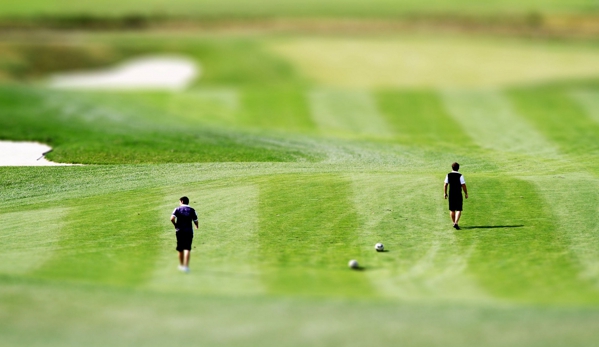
[(186, 269), (181, 268)]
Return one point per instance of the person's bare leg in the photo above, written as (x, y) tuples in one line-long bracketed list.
[(452, 215), (458, 214), (181, 258), (186, 254)]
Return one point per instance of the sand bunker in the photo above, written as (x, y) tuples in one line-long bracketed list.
[(154, 73), (24, 154)]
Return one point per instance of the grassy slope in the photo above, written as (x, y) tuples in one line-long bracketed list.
[(269, 267)]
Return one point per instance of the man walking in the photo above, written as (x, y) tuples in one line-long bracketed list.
[(182, 218), (456, 183)]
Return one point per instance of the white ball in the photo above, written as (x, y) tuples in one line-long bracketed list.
[(353, 264), (379, 247)]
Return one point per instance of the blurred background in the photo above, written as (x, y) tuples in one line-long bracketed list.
[(287, 67), (334, 42)]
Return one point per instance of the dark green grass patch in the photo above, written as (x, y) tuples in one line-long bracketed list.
[(559, 118), (419, 117), (518, 251), (308, 228), (85, 131), (285, 110)]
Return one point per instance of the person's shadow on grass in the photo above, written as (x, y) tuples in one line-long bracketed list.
[(492, 226)]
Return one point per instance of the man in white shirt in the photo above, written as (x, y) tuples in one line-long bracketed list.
[(456, 183)]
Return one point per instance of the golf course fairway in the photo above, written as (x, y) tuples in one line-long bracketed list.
[(298, 157)]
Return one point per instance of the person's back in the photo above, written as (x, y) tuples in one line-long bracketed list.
[(185, 217), (455, 183)]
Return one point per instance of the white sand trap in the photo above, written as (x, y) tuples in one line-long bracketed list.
[(155, 73), (24, 154)]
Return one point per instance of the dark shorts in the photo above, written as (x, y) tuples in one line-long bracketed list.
[(455, 203), (184, 240)]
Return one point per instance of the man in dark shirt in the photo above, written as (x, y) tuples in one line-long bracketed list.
[(182, 218), (456, 183)]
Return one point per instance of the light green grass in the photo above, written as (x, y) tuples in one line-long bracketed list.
[(240, 8), (578, 205), (127, 318), (37, 244), (443, 62), (589, 101), (347, 112), (489, 119), (292, 179)]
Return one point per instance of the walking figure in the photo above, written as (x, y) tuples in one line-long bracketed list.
[(456, 183), (182, 219)]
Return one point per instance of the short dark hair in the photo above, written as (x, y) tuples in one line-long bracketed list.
[(184, 200), (455, 166)]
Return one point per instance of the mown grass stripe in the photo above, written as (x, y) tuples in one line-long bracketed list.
[(574, 200), (347, 112), (107, 239), (307, 236), (419, 117), (588, 99), (29, 238), (224, 256), (201, 106), (226, 97), (559, 118), (280, 109), (409, 216), (491, 121), (520, 254)]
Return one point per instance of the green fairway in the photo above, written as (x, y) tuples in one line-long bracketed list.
[(295, 166)]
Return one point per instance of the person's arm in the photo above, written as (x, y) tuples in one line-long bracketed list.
[(173, 220), (445, 190), (465, 190), (195, 219)]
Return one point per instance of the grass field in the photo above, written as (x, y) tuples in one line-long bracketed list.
[(295, 170), (292, 8)]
